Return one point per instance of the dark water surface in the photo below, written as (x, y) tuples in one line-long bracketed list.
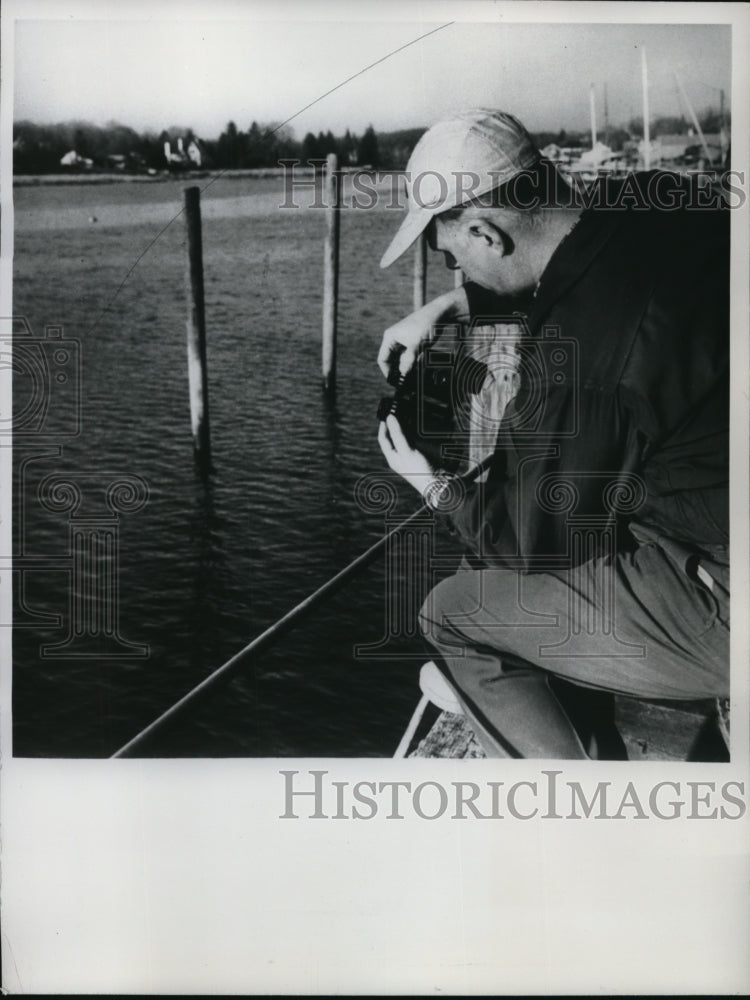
[(204, 567)]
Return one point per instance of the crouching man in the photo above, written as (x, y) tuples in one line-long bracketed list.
[(597, 541)]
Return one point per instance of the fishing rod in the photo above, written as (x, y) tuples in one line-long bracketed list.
[(290, 618)]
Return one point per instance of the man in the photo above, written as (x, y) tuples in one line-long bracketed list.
[(598, 541)]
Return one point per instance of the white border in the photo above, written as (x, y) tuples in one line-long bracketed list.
[(178, 876)]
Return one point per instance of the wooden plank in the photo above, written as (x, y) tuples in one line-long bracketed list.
[(450, 736), (651, 731), (661, 731)]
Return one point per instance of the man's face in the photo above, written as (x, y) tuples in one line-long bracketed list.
[(494, 254)]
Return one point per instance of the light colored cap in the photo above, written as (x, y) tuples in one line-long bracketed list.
[(460, 158)]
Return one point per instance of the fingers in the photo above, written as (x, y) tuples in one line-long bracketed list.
[(391, 438), (400, 456), (397, 435), (386, 445), (389, 347), (398, 344), (407, 359), (386, 356), (383, 355)]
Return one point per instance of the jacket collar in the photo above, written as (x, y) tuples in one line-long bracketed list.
[(571, 259)]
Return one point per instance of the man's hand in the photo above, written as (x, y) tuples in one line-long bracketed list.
[(402, 458), (410, 334)]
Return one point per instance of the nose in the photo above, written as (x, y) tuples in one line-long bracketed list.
[(450, 261)]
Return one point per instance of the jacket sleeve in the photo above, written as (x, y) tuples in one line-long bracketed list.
[(541, 485)]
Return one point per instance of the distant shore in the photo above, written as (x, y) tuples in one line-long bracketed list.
[(33, 180)]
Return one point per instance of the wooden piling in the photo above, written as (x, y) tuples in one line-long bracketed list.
[(458, 278), (331, 272), (420, 272), (196, 329)]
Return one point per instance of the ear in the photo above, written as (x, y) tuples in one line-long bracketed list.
[(491, 235)]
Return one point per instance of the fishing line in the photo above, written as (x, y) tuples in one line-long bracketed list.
[(279, 627), (221, 173)]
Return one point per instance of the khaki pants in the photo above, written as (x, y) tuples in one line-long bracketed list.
[(643, 623)]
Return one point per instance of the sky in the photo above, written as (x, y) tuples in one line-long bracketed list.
[(150, 67)]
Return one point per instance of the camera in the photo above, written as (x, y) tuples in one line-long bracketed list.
[(498, 357), (429, 400)]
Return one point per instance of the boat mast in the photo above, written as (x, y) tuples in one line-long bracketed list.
[(691, 111), (606, 117), (646, 128), (592, 100)]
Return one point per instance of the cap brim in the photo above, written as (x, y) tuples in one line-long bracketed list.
[(409, 231)]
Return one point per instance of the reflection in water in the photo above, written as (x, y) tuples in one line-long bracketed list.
[(206, 539)]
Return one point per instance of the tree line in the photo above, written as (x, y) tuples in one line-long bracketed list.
[(39, 148)]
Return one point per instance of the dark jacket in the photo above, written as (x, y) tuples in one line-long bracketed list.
[(623, 409)]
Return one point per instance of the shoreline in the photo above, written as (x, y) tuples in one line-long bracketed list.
[(38, 180)]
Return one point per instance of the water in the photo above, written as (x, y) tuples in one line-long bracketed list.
[(204, 567)]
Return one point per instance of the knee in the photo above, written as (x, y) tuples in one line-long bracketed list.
[(470, 601), (433, 612), (452, 600)]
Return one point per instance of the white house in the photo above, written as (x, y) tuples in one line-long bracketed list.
[(72, 159)]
